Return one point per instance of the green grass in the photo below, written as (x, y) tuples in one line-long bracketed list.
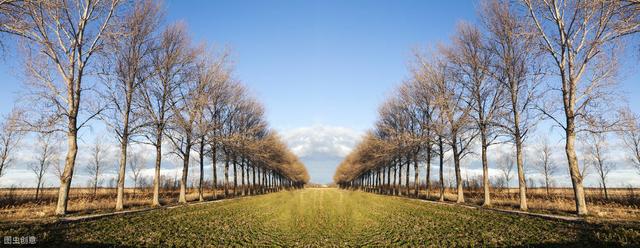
[(326, 217)]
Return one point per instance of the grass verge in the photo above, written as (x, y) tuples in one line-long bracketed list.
[(326, 218)]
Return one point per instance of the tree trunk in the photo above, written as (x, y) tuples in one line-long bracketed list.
[(263, 186), (214, 161), (380, 180), (200, 193), (253, 180), (121, 171), (235, 176), (395, 173), (456, 163), (441, 156), (407, 176), (603, 178), (38, 188), (70, 161), (124, 144), (185, 171), (416, 183), (259, 181), (399, 186), (156, 177), (242, 185), (521, 178), (604, 185), (576, 178), (546, 183), (226, 174), (95, 185), (428, 171), (485, 169), (389, 188)]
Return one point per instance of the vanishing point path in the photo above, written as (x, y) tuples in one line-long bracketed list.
[(326, 218)]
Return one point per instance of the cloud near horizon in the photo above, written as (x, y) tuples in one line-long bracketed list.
[(321, 148)]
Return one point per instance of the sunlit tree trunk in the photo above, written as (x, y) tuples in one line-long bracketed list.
[(456, 163), (388, 187), (428, 171), (70, 161), (156, 177), (201, 179), (214, 162), (407, 188), (574, 170), (441, 157), (395, 177), (242, 167), (253, 181), (235, 176), (416, 170), (485, 169), (185, 171), (226, 174)]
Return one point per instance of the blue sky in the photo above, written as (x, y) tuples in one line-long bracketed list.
[(321, 68), (320, 62)]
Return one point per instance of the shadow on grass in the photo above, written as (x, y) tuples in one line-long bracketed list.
[(588, 235)]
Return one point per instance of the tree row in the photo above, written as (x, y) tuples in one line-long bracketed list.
[(148, 83), (526, 62)]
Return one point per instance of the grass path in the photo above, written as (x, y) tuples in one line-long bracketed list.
[(326, 218)]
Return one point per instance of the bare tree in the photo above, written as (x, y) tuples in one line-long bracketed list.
[(433, 111), (216, 110), (127, 65), (96, 167), (251, 126), (10, 136), (631, 137), (45, 156), (211, 71), (505, 165), (581, 40), (170, 62), (517, 70), (189, 103), (424, 114), (456, 113), (237, 94), (472, 58), (61, 38), (136, 164), (545, 164), (58, 169), (10, 13), (597, 155), (586, 166)]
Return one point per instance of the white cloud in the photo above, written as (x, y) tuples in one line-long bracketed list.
[(321, 148), (320, 140)]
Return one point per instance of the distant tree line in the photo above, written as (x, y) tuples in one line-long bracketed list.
[(526, 61), (115, 61)]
